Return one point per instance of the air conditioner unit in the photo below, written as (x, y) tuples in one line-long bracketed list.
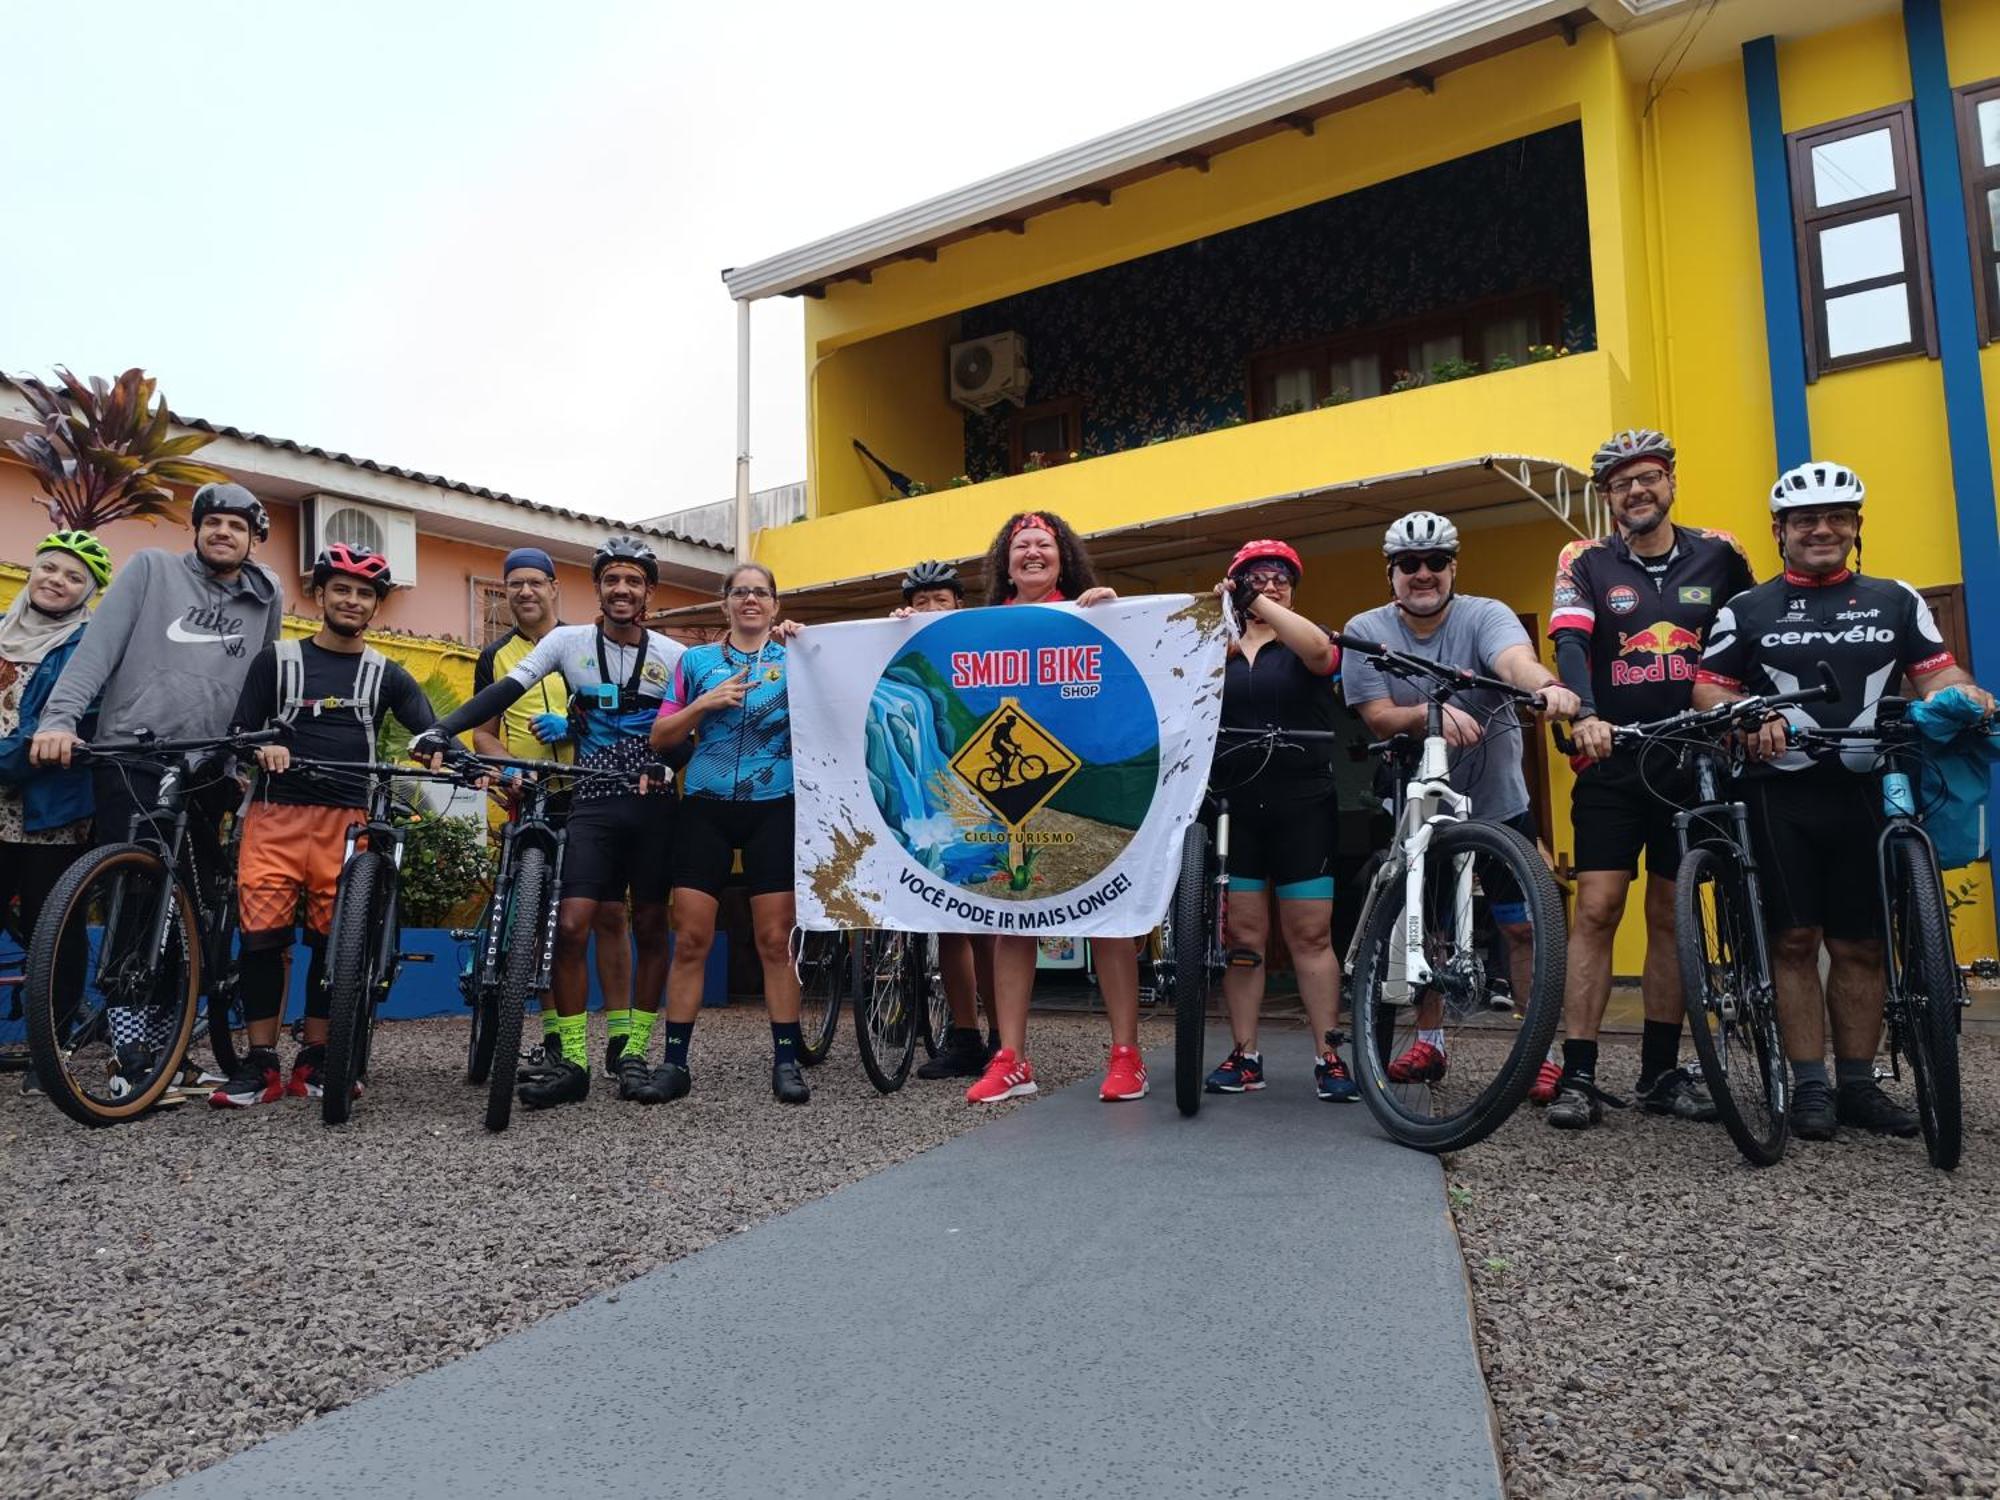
[(985, 372), (334, 518)]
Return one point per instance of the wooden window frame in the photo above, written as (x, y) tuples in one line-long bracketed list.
[(1979, 180), (1905, 200), (1393, 341), (1069, 408), (1947, 602)]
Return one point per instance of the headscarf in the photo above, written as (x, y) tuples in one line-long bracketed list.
[(27, 634)]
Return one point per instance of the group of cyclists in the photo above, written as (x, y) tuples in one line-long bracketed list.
[(688, 755)]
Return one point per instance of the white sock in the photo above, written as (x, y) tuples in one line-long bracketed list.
[(1435, 1037)]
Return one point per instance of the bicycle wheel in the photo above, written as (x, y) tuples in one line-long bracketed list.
[(527, 914), (110, 1017), (1186, 946), (479, 1039), (1032, 768), (1924, 1017), (359, 913), (885, 1008), (934, 1010), (222, 1000), (1493, 1043), (1731, 1007), (826, 963)]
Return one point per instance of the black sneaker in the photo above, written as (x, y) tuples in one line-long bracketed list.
[(257, 1080), (564, 1082), (632, 1073), (1866, 1107), (1813, 1117), (1575, 1107), (788, 1081), (1679, 1094), (666, 1083), (613, 1051), (962, 1056)]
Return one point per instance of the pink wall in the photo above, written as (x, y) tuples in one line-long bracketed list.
[(440, 605)]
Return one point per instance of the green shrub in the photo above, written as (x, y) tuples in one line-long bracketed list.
[(447, 863)]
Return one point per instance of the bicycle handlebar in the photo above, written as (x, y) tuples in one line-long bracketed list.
[(1722, 717), (1274, 732), (1449, 679), (148, 747)]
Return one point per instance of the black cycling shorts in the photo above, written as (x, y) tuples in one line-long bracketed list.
[(1287, 843), (712, 829), (618, 844), (1814, 832), (1616, 814)]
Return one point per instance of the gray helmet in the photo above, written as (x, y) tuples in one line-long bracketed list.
[(1420, 531), (628, 549), (932, 575), (1622, 448), (225, 499), (1818, 483)]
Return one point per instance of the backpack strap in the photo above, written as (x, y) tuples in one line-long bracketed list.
[(366, 698), (291, 679)]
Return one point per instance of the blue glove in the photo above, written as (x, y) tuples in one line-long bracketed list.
[(550, 729)]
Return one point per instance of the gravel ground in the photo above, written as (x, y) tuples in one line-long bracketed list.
[(1659, 1319), (183, 1287)]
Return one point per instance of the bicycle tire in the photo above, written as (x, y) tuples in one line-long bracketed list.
[(1731, 1011), (1541, 1009), (1187, 938), (1023, 775), (935, 1010), (479, 1040), (350, 981), (527, 917), (67, 904), (224, 996), (1929, 1021), (885, 1009), (826, 970)]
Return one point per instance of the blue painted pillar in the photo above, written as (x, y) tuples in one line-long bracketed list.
[(1778, 255)]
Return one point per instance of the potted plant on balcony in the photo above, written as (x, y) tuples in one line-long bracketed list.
[(106, 452)]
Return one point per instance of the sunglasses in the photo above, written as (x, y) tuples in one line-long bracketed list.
[(1265, 580), (1415, 562)]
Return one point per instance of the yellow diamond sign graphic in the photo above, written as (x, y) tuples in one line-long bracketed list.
[(1013, 764)]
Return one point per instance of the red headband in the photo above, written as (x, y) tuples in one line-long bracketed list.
[(1027, 522)]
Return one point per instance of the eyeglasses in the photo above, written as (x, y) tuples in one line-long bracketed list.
[(745, 591), (530, 585), (1278, 578), (1415, 562), (1811, 520), (1648, 479)]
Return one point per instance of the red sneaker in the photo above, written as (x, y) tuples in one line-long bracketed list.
[(1126, 1078), (257, 1080), (1423, 1063), (309, 1072), (1006, 1077), (1543, 1090)]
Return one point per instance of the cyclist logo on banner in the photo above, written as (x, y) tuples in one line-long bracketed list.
[(1012, 769)]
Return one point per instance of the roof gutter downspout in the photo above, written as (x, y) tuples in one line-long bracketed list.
[(743, 430)]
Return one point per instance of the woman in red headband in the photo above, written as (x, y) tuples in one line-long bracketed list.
[(1037, 559)]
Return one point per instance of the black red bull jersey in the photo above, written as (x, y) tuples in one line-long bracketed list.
[(1644, 628), (1871, 632)]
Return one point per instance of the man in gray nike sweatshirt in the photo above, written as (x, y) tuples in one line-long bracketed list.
[(169, 648)]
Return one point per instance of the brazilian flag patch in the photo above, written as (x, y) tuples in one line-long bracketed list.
[(1696, 594)]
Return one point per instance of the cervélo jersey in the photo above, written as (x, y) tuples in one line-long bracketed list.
[(1869, 631), (1645, 620)]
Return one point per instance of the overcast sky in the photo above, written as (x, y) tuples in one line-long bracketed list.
[(486, 239)]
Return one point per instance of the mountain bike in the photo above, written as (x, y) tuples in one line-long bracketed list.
[(1450, 891), (516, 936), (1923, 988), (364, 942), (1193, 942), (891, 1002), (828, 971), (1725, 959), (136, 943), (934, 1015)]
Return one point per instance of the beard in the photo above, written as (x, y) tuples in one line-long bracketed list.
[(345, 631), (1648, 526), (1425, 610)]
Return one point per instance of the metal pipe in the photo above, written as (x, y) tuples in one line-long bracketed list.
[(743, 431)]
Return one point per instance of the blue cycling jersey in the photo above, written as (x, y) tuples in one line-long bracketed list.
[(741, 754)]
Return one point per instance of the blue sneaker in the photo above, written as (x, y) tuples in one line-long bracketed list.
[(1334, 1081), (1239, 1074)]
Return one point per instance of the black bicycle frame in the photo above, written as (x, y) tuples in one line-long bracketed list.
[(1710, 806), (530, 826)]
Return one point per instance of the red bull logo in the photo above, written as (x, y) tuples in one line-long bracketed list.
[(1666, 652)]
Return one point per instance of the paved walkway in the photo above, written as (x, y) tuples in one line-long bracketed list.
[(1077, 1299)]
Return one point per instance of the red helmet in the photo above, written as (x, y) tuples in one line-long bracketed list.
[(356, 562), (1267, 547)]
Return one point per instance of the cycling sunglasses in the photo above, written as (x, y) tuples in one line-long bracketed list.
[(1408, 563)]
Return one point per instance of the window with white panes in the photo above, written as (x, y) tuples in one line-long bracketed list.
[(1979, 160)]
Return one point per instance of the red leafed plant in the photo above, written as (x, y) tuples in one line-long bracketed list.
[(105, 451)]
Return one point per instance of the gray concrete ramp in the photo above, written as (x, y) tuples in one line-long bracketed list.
[(1077, 1299)]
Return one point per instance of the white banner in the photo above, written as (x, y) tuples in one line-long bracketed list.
[(1025, 769)]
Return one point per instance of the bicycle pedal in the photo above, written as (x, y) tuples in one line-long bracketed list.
[(417, 958)]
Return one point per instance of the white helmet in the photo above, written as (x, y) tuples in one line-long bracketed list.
[(1420, 531), (1816, 483)]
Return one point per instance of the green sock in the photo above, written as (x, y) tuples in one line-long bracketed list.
[(575, 1033), (641, 1035), (617, 1023)]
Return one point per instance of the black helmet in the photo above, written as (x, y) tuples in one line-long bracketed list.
[(932, 575), (625, 549), (227, 499)]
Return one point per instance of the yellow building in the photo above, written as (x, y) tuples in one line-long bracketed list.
[(1436, 268)]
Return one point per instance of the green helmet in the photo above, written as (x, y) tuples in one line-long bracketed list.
[(85, 548)]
